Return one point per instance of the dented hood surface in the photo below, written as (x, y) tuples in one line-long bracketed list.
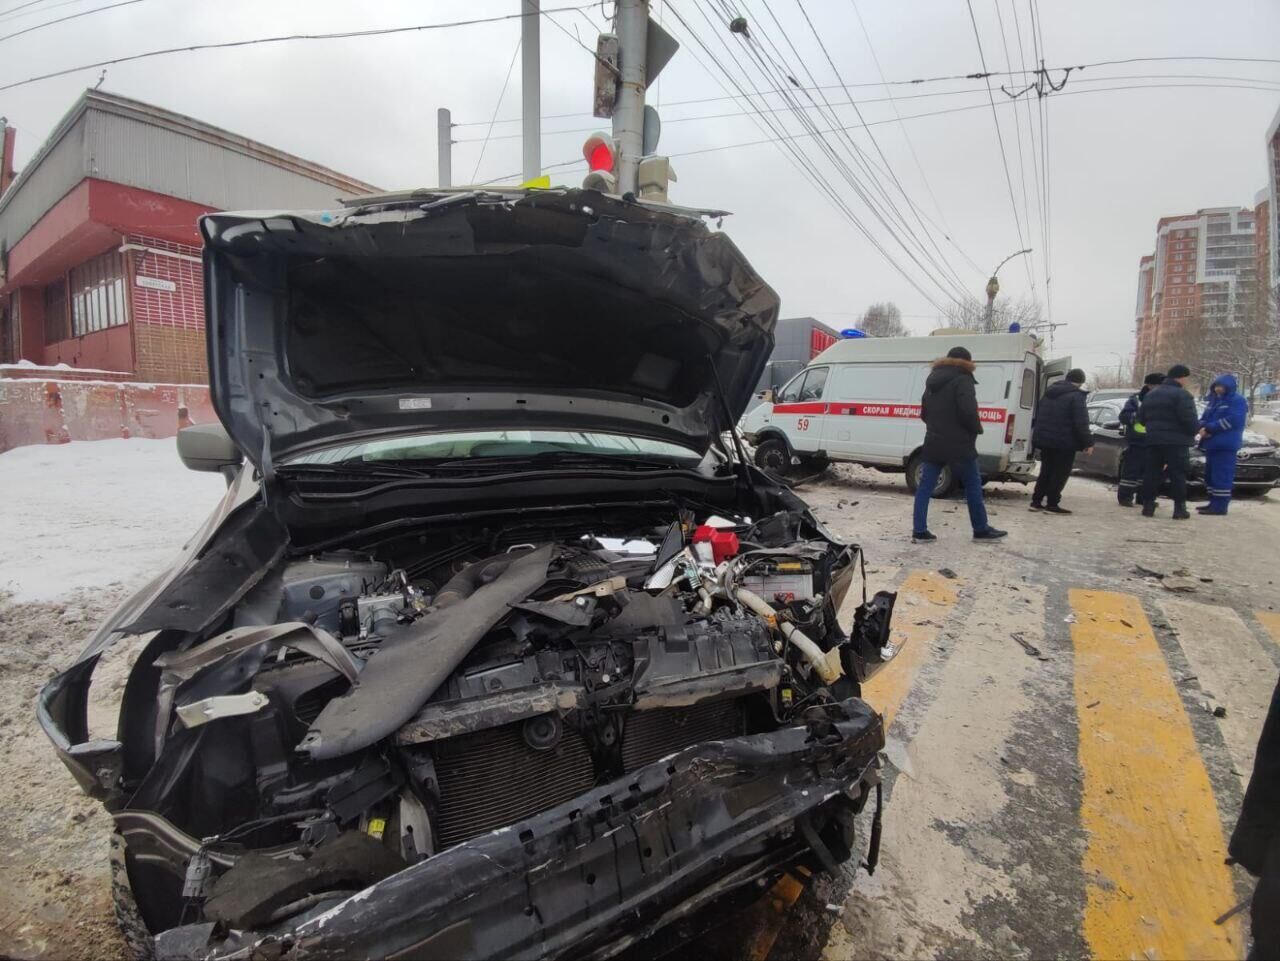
[(433, 311)]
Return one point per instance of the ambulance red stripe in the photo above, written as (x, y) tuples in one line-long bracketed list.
[(989, 415)]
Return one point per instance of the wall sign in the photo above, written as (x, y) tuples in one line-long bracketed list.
[(155, 283)]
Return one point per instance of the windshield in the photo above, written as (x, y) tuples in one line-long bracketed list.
[(499, 443)]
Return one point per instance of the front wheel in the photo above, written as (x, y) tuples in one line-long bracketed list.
[(946, 478)]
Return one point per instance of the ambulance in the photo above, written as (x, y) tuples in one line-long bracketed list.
[(859, 402)]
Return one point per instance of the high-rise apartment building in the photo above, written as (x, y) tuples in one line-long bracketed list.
[(1200, 277), (1209, 270)]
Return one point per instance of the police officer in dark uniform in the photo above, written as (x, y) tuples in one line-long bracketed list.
[(1133, 462), (1169, 415)]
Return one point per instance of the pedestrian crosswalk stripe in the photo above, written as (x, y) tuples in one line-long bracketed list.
[(1153, 863), (1233, 670), (924, 600)]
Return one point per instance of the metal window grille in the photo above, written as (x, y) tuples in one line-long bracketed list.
[(97, 294)]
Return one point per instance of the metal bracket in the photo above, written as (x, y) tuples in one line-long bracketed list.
[(226, 705)]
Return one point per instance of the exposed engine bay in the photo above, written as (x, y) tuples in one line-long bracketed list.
[(364, 709)]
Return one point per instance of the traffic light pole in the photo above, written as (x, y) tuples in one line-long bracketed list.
[(628, 114), (531, 88)]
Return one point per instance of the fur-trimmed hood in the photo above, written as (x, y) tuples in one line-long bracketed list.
[(967, 366)]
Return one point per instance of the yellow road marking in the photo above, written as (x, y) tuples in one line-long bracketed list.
[(1155, 878), (924, 600), (1271, 621), (780, 899)]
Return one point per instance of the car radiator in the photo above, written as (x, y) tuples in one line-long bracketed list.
[(493, 778), (652, 735)]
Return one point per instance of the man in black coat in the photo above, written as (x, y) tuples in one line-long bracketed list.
[(1255, 843), (1061, 429), (1169, 416), (1133, 462), (949, 409)]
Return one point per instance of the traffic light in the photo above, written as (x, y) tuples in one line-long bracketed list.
[(601, 154)]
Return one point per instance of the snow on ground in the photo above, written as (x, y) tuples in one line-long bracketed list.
[(90, 514)]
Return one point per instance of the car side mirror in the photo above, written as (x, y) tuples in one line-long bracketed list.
[(208, 447), (766, 395)]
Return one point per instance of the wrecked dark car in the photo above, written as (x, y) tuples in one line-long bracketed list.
[(498, 645)]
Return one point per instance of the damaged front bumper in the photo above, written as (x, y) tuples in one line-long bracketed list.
[(616, 864)]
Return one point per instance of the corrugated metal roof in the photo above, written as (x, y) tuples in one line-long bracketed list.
[(139, 145)]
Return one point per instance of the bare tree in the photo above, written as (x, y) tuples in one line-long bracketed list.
[(971, 314), (1246, 344), (883, 320), (1107, 378)]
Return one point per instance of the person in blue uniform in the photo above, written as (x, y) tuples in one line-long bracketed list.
[(1220, 437), (1133, 462)]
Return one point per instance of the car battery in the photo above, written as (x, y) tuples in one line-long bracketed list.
[(781, 580)]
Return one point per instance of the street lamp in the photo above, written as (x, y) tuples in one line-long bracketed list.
[(993, 287)]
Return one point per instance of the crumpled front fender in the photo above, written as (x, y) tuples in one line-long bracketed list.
[(593, 871)]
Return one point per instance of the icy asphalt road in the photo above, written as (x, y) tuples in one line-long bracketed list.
[(1070, 804)]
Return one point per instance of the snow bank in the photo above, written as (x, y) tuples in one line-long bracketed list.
[(94, 513)]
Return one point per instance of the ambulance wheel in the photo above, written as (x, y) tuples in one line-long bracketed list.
[(946, 479), (772, 456)]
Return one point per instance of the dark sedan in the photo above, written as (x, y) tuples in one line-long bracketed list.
[(1257, 468)]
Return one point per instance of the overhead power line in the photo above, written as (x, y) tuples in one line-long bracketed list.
[(866, 183), (23, 6), (906, 134), (496, 107), (70, 16), (1237, 83), (1004, 157), (288, 38), (919, 116), (786, 144)]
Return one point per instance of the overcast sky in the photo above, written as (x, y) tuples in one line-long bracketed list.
[(1117, 159)]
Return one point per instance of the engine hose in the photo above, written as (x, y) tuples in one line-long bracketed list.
[(827, 664)]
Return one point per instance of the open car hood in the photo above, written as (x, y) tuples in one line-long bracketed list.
[(439, 311)]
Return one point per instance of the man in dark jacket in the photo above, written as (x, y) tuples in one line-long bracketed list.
[(1061, 429), (1169, 416), (949, 409), (1255, 843), (1133, 462)]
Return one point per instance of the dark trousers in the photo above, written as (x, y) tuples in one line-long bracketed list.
[(1174, 458), (1265, 910), (1133, 468), (1055, 468)]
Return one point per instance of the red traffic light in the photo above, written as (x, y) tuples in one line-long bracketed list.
[(601, 157), (599, 152)]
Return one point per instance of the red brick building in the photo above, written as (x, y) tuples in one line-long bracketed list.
[(99, 254), (1204, 268)]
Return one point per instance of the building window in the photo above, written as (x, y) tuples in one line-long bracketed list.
[(55, 312), (97, 294)]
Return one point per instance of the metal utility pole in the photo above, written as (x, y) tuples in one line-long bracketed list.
[(628, 114), (993, 288), (531, 87), (444, 147)]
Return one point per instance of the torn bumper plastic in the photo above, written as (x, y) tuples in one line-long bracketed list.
[(593, 874)]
